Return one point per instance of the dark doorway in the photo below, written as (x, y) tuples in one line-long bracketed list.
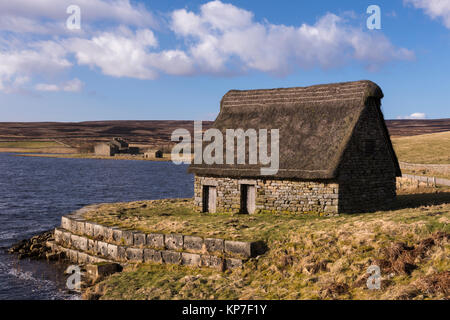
[(205, 198), (244, 198), (248, 194), (209, 195)]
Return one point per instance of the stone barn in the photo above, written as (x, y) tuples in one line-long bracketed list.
[(335, 153), (113, 147), (105, 149)]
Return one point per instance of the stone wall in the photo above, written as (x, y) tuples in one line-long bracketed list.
[(366, 177), (84, 242), (271, 195), (438, 168), (103, 149)]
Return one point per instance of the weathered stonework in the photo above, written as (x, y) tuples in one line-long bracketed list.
[(214, 245), (102, 248), (135, 254), (193, 243), (139, 239), (127, 237), (191, 259), (243, 249), (111, 244), (273, 195), (155, 240), (151, 255), (367, 181), (174, 241), (212, 261), (171, 257)]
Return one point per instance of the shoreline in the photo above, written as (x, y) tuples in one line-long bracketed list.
[(35, 248), (93, 157)]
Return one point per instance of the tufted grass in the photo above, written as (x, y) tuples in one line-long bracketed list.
[(309, 257)]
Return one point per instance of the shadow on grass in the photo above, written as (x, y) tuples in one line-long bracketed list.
[(410, 201), (416, 200)]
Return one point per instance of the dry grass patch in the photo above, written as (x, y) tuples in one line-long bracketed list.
[(308, 257), (426, 148)]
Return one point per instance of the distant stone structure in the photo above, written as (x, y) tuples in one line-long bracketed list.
[(335, 152), (153, 154), (113, 147)]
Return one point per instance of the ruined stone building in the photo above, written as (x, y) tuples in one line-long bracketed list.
[(113, 147), (335, 153)]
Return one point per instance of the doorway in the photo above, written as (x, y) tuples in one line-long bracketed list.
[(248, 197), (209, 195)]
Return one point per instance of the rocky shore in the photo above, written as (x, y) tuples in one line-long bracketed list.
[(36, 248)]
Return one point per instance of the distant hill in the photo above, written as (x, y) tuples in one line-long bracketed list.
[(74, 133), (158, 131), (417, 127)]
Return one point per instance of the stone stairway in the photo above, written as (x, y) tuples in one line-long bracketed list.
[(86, 242)]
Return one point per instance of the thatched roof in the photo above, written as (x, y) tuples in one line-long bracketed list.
[(315, 125)]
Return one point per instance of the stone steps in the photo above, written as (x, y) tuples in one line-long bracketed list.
[(94, 251), (93, 242), (76, 256)]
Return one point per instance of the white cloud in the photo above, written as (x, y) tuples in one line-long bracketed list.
[(120, 54), (74, 85), (434, 9), (220, 38), (47, 87), (17, 65), (416, 115), (22, 14), (221, 33), (125, 53)]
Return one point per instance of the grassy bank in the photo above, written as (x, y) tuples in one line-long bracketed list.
[(35, 146), (427, 148), (309, 256)]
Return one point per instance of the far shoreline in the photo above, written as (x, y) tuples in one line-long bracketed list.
[(166, 158)]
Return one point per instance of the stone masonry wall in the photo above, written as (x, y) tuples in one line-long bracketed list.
[(366, 178), (272, 195), (85, 242)]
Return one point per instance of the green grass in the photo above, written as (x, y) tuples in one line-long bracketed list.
[(29, 144), (428, 148), (179, 216), (307, 254)]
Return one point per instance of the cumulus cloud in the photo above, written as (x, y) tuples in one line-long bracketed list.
[(74, 85), (18, 65), (436, 9), (416, 115), (49, 16), (221, 33), (217, 39), (125, 53)]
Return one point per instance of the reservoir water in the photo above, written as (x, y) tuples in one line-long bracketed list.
[(35, 192)]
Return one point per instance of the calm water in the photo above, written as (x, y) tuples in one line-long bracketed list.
[(36, 192)]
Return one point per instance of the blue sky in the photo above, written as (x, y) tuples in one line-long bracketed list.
[(175, 59)]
